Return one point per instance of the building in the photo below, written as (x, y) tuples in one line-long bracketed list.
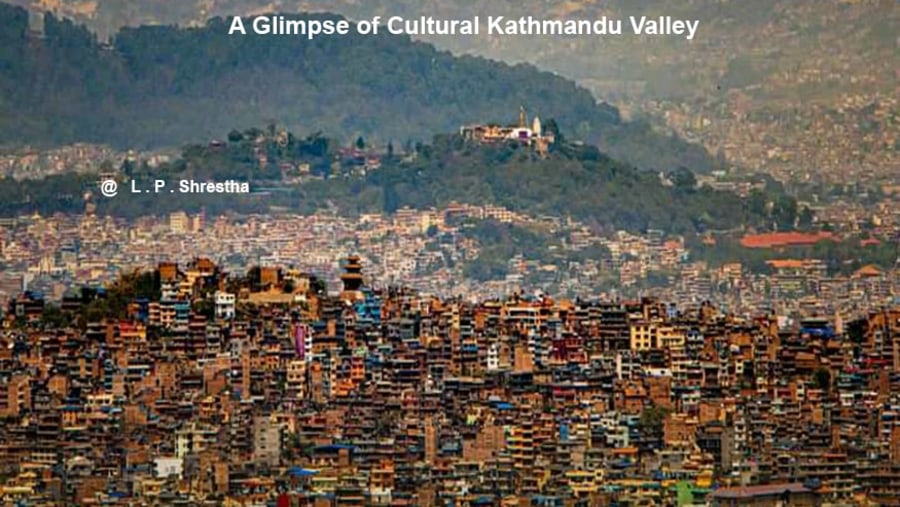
[(224, 305), (769, 495), (521, 132)]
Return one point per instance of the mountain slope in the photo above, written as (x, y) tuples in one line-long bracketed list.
[(799, 88), (163, 85), (796, 36)]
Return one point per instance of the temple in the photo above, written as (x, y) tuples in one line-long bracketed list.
[(521, 132), (352, 280)]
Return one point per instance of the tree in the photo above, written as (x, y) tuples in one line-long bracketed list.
[(652, 421), (756, 202), (254, 276), (683, 179), (805, 220), (147, 285), (784, 212), (360, 143), (822, 379), (204, 307), (551, 128), (318, 286), (53, 318), (235, 137)]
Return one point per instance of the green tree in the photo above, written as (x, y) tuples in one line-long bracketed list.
[(318, 286), (204, 307), (683, 179), (550, 127), (756, 202), (822, 379), (805, 220), (235, 137), (53, 317), (784, 212), (652, 421), (128, 168)]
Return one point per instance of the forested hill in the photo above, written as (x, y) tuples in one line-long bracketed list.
[(573, 180), (164, 85)]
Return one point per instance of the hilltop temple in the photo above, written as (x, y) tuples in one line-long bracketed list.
[(529, 136)]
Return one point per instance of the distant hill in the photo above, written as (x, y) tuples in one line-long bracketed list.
[(573, 180), (802, 87), (164, 85), (739, 45)]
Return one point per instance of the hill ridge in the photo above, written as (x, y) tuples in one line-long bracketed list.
[(164, 85)]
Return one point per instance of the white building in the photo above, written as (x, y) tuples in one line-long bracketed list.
[(224, 305), (168, 467)]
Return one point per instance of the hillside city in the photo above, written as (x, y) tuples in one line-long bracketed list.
[(687, 296), (324, 359), (188, 385)]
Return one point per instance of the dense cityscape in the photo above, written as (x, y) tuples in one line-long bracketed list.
[(186, 359), (246, 359), (400, 273), (188, 385)]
